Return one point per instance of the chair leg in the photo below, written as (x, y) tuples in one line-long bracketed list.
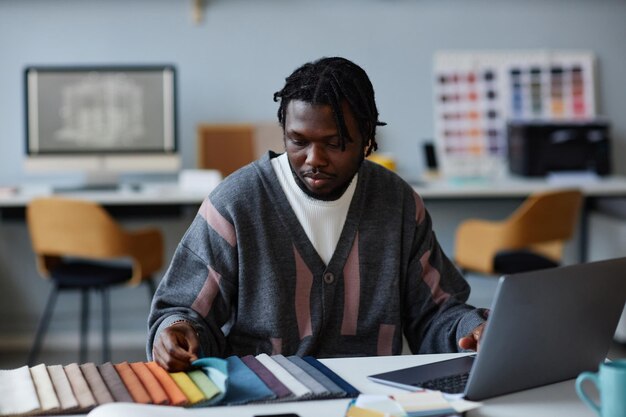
[(84, 324), (42, 327), (106, 325)]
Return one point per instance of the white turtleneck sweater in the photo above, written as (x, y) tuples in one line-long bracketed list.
[(321, 220)]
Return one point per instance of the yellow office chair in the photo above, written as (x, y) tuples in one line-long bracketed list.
[(79, 246), (531, 238)]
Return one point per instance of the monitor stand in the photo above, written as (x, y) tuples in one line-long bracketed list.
[(86, 188), (93, 181)]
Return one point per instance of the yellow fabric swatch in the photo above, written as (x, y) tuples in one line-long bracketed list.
[(187, 386)]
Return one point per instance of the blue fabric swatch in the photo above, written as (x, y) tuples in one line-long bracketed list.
[(244, 385), (349, 389)]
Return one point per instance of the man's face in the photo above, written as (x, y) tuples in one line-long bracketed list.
[(312, 143)]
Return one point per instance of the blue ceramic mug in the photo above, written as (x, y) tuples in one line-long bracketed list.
[(610, 381)]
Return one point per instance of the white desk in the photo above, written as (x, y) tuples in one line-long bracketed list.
[(169, 194), (148, 194), (550, 401), (512, 187)]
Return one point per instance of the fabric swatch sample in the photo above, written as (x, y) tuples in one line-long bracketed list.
[(96, 383), (132, 383), (114, 383), (62, 387), (187, 386), (208, 388), (295, 386), (244, 385), (17, 392), (279, 389), (334, 389), (150, 383), (316, 388), (216, 370), (48, 400), (349, 389), (175, 395), (79, 386)]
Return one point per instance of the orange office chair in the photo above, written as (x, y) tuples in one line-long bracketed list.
[(79, 246), (531, 238)]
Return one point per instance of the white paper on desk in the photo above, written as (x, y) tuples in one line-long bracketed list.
[(381, 403), (422, 401), (8, 191), (202, 180), (571, 178), (462, 405)]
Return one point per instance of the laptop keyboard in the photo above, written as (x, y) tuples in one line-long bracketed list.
[(453, 384)]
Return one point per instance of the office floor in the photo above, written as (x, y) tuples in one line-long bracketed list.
[(482, 293)]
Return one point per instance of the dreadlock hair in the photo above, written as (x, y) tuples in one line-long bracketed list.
[(330, 81)]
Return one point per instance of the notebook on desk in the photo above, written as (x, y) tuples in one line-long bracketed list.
[(545, 326)]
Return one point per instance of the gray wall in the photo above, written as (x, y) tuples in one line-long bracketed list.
[(230, 65)]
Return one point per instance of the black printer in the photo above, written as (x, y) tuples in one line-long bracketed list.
[(536, 148)]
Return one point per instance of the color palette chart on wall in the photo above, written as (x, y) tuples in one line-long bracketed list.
[(57, 389), (476, 93)]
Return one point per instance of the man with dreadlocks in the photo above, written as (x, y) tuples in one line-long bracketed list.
[(315, 251)]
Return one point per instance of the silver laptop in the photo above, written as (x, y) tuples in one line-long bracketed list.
[(545, 326)]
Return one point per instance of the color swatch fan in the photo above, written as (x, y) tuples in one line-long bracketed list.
[(476, 93)]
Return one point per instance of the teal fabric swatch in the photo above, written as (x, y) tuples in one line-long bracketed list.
[(217, 371)]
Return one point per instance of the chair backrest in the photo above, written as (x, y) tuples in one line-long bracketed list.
[(545, 217), (228, 147), (67, 227), (542, 224)]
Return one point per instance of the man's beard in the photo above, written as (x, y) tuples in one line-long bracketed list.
[(335, 194)]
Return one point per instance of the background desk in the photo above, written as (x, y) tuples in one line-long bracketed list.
[(148, 194), (554, 400), (515, 187)]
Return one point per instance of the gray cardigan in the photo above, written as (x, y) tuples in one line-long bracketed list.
[(248, 279)]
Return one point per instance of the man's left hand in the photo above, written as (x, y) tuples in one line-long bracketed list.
[(472, 340)]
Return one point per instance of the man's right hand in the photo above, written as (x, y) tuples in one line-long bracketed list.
[(176, 347)]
